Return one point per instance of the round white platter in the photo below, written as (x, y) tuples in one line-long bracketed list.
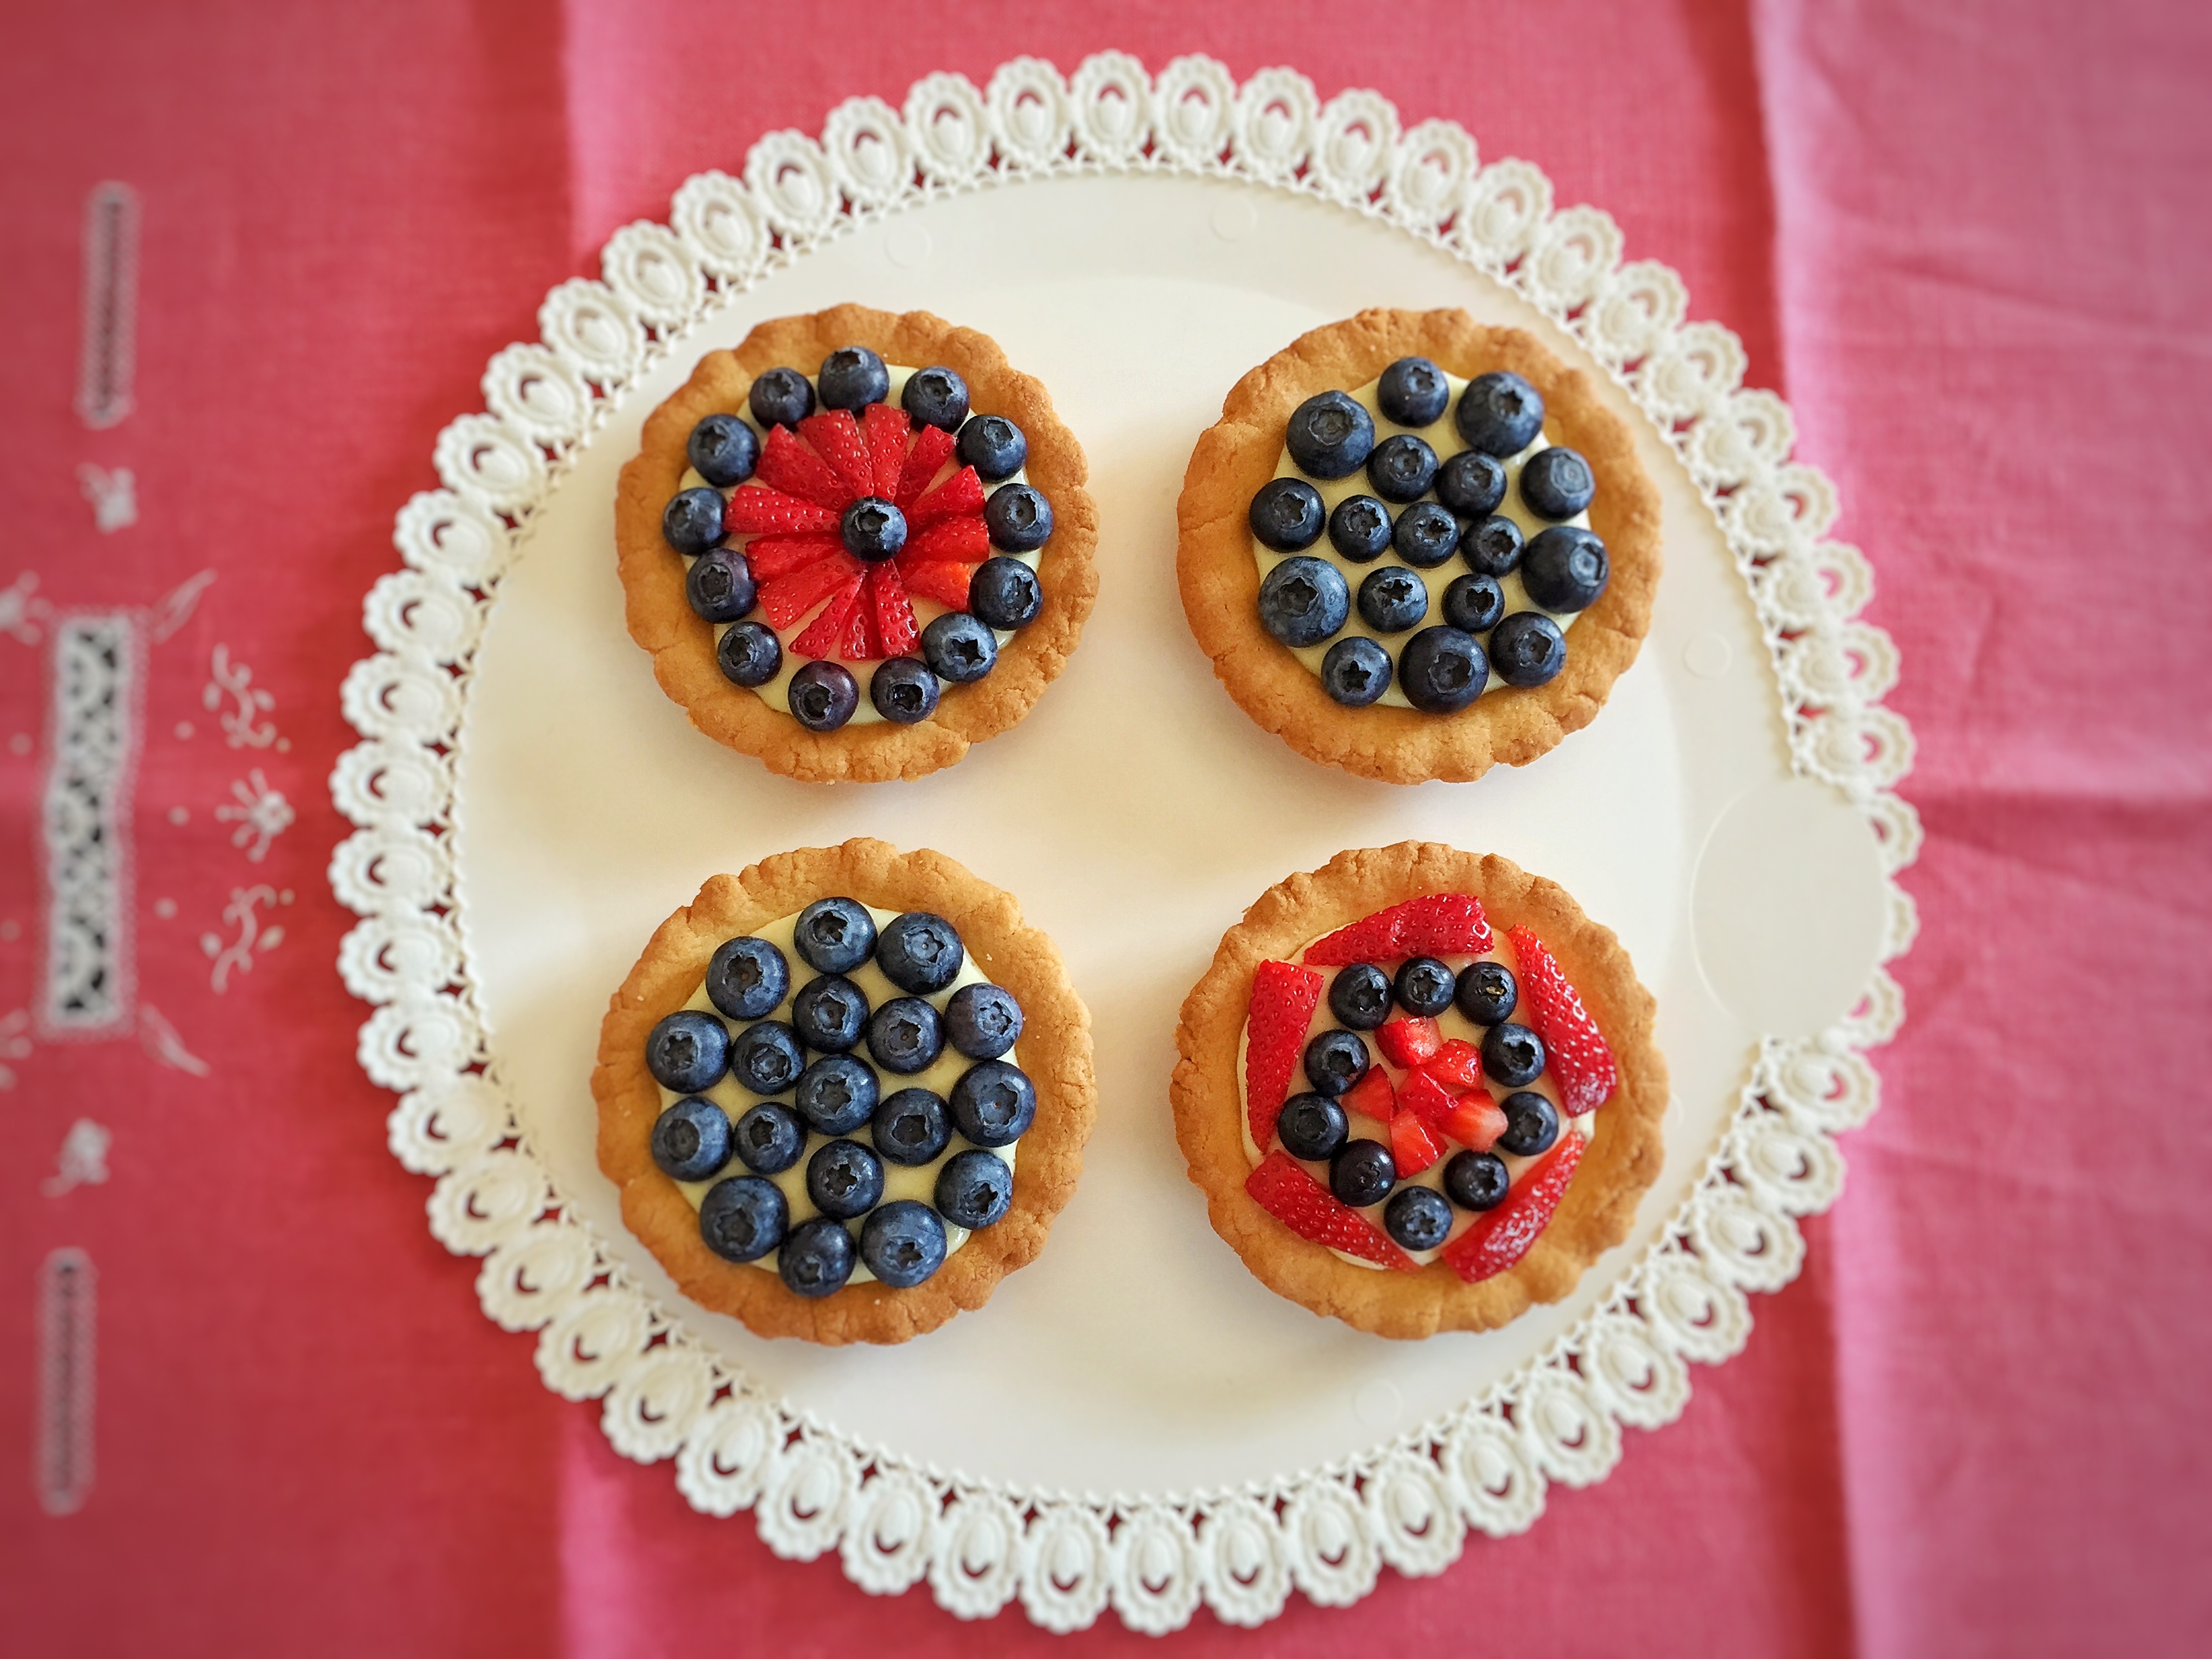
[(1133, 1421)]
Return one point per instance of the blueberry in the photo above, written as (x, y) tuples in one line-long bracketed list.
[(829, 1014), (1355, 671), (1532, 1124), (844, 1179), (1287, 514), (836, 1095), (872, 530), (911, 1127), (1335, 1060), (1311, 1126), (994, 1103), (1565, 569), (1493, 548), (959, 649), (1360, 996), (781, 397), (1005, 593), (994, 446), (749, 654), (834, 935), (1362, 1173), (723, 450), (748, 978), (1512, 1055), (903, 691), (1487, 993), (903, 1243), (1418, 1217), (765, 1059), (1472, 604), (742, 1219), (1413, 392), (692, 520), (906, 1036), (692, 1139), (1476, 1181), (1426, 535), (1359, 528), (688, 1052), (1402, 468), (822, 695), (983, 1021), (974, 1189), (1500, 414), (720, 585), (852, 377), (935, 397), (1392, 598), (920, 952), (1528, 649), (1556, 483), (1018, 517), (1303, 600), (1329, 435), (1471, 483), (1443, 669), (771, 1138), (817, 1258), (1424, 986)]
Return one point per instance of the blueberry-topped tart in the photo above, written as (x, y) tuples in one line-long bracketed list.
[(857, 544), (844, 1093), (1415, 546), (1420, 1091)]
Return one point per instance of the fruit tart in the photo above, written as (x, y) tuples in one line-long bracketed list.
[(856, 544), (1418, 1089), (844, 1093), (1415, 546)]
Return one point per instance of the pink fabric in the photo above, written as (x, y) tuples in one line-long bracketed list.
[(1968, 244)]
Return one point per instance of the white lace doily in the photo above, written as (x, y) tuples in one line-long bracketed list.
[(1328, 1531)]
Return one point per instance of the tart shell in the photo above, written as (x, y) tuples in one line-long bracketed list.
[(1622, 1162), (1055, 1053)]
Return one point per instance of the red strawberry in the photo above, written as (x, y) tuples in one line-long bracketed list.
[(1406, 1043), (933, 447), (824, 633), (1502, 1236), (857, 642), (1580, 1062), (757, 509), (963, 541), (958, 496), (1475, 1120), (940, 579), (1375, 939), (1284, 998), (886, 430), (785, 599), (1281, 1186), (1372, 1094), (1443, 924), (1456, 1064), (1413, 1143), (895, 628), (1423, 1097), (789, 466), (836, 438), (779, 556)]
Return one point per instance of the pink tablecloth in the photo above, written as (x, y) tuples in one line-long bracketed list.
[(1971, 247)]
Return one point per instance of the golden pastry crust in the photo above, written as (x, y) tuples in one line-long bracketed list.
[(1220, 579), (1622, 1160), (1055, 1053), (682, 644)]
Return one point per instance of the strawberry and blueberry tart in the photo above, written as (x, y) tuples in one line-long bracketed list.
[(856, 544), (1420, 1091)]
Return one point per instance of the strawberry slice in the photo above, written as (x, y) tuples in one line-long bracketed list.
[(785, 599), (1280, 1186), (1375, 939), (959, 496), (963, 541), (886, 430), (1456, 1064), (836, 438), (1284, 998), (824, 634), (779, 556), (1422, 1096), (1580, 1062), (1413, 1144), (857, 642), (1372, 1094), (789, 466), (895, 628), (945, 582), (758, 510), (1408, 1043), (1502, 1236), (1476, 1121), (1444, 925), (933, 447)]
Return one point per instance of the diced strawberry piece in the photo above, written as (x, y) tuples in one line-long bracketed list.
[(1406, 1043), (1457, 1064), (1413, 1144), (756, 510), (933, 447), (1280, 1186), (1476, 1121), (779, 556), (895, 628), (1422, 1096), (789, 466), (1284, 998), (1443, 924), (963, 541), (944, 582), (1371, 1095), (836, 438), (959, 496), (886, 430), (824, 634), (785, 599), (1375, 939), (1502, 1236), (857, 642), (1580, 1062)]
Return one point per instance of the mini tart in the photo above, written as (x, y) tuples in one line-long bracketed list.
[(1620, 1161), (682, 643), (1220, 579), (1055, 1053)]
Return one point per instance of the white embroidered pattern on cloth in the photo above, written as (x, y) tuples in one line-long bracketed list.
[(1152, 1559), (68, 1317), (260, 813), (108, 352), (113, 493), (98, 658), (241, 914), (83, 1160), (242, 725)]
